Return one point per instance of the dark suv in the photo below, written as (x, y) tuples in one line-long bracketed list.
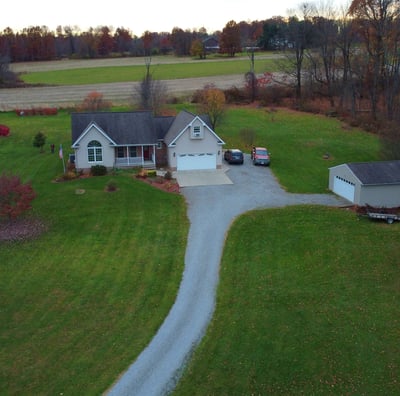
[(233, 156)]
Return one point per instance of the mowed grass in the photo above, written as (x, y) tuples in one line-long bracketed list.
[(298, 143), (79, 303), (308, 303), (167, 71)]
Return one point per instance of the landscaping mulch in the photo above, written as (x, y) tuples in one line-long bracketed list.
[(161, 183), (21, 229)]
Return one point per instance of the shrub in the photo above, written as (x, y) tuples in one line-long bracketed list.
[(39, 141), (152, 173), (168, 175), (94, 101), (142, 173), (111, 186), (15, 197), (98, 170)]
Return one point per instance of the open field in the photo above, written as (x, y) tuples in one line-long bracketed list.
[(69, 81)]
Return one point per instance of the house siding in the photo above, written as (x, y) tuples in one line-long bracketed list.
[(81, 154), (185, 144)]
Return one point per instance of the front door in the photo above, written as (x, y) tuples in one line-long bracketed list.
[(146, 153)]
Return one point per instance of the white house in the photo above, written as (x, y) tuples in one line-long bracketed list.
[(139, 139)]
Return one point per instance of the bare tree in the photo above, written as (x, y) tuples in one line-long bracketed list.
[(152, 94), (376, 20)]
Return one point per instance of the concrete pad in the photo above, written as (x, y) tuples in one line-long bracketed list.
[(207, 177)]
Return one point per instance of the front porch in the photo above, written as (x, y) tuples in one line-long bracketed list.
[(134, 162), (135, 156)]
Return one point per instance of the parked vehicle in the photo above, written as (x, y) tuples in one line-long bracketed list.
[(233, 156), (260, 156)]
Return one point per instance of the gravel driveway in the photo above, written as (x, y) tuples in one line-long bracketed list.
[(211, 210)]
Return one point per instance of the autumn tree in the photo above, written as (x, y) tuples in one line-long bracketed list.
[(212, 103), (39, 141), (230, 39), (181, 41), (197, 49), (105, 41), (15, 196)]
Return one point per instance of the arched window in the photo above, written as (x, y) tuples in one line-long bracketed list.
[(95, 151)]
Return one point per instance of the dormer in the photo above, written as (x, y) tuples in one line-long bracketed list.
[(196, 130)]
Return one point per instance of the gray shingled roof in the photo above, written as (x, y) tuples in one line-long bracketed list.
[(181, 121), (373, 173), (139, 127)]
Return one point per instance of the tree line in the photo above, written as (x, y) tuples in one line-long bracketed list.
[(38, 43), (350, 56)]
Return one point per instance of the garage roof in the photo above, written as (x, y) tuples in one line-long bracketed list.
[(373, 173)]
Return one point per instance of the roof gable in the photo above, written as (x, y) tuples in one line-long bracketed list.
[(89, 129), (123, 128), (182, 121), (380, 172)]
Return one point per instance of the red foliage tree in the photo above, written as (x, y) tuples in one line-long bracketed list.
[(15, 196)]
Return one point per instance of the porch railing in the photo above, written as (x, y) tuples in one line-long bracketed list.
[(134, 162)]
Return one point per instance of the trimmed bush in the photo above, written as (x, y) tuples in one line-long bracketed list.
[(98, 170)]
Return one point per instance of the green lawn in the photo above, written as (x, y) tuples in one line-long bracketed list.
[(168, 71), (79, 303), (297, 142), (308, 304), (82, 301)]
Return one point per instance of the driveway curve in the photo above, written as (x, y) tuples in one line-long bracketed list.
[(211, 210)]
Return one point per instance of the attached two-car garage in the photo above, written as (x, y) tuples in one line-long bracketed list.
[(196, 161)]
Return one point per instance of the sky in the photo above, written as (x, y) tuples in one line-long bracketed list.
[(139, 16)]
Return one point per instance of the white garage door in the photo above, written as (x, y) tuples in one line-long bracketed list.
[(196, 161), (344, 188)]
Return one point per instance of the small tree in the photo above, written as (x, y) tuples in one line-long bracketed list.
[(197, 49), (152, 94), (39, 141), (212, 103), (15, 197)]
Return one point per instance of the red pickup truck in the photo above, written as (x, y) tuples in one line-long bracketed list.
[(260, 156)]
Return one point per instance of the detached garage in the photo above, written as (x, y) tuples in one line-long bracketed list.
[(367, 183)]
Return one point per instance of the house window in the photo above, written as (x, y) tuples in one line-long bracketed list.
[(132, 152), (196, 132), (120, 152), (95, 151)]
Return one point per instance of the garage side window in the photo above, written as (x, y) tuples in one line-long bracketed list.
[(95, 151)]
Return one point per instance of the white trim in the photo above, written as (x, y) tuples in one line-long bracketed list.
[(173, 142), (87, 130)]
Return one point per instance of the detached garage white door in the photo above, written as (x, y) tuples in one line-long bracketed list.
[(196, 161), (344, 188)]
